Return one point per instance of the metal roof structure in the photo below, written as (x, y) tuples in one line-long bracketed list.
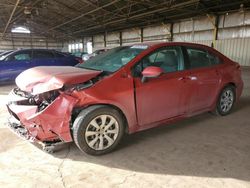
[(65, 19)]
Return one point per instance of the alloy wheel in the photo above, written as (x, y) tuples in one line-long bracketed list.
[(101, 132), (226, 101)]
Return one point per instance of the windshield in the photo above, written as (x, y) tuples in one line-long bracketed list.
[(113, 59), (4, 54)]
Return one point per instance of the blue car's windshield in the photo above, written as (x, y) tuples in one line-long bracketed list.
[(4, 54), (113, 59)]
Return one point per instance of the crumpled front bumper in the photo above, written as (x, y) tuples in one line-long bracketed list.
[(51, 125), (22, 132)]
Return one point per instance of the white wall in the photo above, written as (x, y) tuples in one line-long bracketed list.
[(156, 33), (233, 34), (113, 39), (25, 41)]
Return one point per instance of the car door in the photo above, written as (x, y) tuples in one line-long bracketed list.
[(43, 58), (162, 97), (204, 78), (14, 64)]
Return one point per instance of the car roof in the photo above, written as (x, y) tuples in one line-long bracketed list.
[(36, 49), (152, 44)]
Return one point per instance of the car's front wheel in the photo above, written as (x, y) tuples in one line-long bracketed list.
[(98, 129), (226, 100)]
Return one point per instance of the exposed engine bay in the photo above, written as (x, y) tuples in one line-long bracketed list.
[(41, 100)]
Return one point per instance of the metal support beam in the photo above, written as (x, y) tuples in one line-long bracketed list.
[(120, 38), (216, 27), (10, 18), (46, 40), (164, 8), (20, 14), (92, 39), (96, 6), (105, 39), (215, 22), (193, 31), (141, 34), (12, 41), (82, 44), (171, 32), (84, 14), (31, 43), (74, 44)]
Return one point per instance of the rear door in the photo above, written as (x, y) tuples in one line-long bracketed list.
[(64, 60), (14, 64), (43, 58), (204, 78)]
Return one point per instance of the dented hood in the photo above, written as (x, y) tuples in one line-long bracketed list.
[(46, 78)]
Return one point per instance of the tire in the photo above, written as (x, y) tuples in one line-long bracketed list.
[(98, 129), (225, 101)]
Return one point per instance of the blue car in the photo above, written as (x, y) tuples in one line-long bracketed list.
[(4, 54), (15, 62)]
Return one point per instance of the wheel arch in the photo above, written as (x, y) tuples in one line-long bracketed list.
[(76, 111), (230, 83), (226, 85), (220, 90)]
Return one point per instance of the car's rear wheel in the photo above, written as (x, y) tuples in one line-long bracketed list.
[(98, 129), (226, 101)]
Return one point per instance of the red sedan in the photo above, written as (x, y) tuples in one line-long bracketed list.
[(124, 90)]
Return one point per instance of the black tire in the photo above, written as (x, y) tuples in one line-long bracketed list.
[(83, 121), (219, 106)]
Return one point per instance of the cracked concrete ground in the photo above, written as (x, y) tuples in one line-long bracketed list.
[(203, 151)]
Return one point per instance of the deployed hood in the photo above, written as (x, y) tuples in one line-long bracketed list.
[(42, 79)]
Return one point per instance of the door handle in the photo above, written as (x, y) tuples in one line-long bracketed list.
[(183, 78), (192, 78), (188, 78)]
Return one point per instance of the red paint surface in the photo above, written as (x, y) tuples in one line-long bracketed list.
[(152, 71), (41, 79), (164, 99), (51, 123)]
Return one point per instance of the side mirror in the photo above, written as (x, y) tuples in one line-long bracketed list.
[(151, 72)]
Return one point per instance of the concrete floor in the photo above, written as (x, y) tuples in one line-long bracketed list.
[(203, 151)]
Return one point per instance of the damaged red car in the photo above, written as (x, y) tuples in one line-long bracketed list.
[(125, 90)]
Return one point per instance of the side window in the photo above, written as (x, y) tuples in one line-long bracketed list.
[(170, 59), (213, 59), (20, 56), (42, 54), (152, 57), (198, 58)]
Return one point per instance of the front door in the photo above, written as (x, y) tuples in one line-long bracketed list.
[(163, 97), (14, 64)]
